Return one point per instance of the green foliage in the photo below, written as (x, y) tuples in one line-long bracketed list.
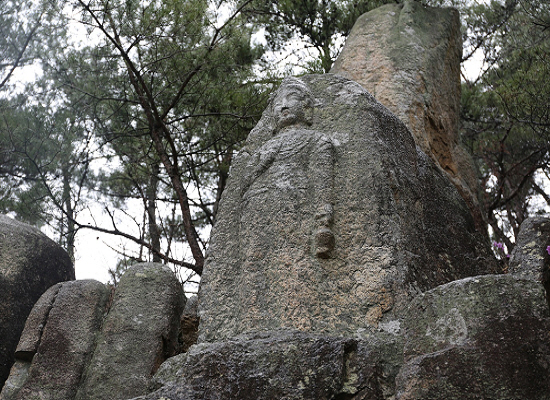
[(505, 114), (164, 93), (46, 166), (319, 24), (29, 30), (151, 109)]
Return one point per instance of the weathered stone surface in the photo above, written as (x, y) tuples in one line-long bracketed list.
[(486, 337), (189, 325), (29, 264), (408, 57), (34, 326), (331, 221), (282, 365), (530, 258), (59, 338), (137, 335), (19, 374)]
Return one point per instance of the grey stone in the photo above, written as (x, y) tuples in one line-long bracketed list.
[(282, 365), (30, 264), (19, 374), (57, 342), (332, 220), (408, 57), (485, 337), (138, 334), (530, 258)]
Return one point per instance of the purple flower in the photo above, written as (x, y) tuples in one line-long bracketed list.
[(548, 249), (499, 245)]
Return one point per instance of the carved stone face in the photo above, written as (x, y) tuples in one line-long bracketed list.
[(292, 105)]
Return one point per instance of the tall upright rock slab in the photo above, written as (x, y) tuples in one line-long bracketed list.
[(138, 334), (30, 263), (531, 257), (408, 57), (331, 221)]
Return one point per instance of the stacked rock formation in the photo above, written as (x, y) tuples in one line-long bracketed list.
[(288, 291), (344, 264), (30, 263), (83, 342)]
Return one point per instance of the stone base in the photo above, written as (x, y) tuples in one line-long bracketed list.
[(485, 337), (282, 365)]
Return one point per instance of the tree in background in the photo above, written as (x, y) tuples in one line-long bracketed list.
[(144, 118), (36, 139), (167, 92), (26, 29), (505, 111), (318, 25), (46, 176), (182, 78)]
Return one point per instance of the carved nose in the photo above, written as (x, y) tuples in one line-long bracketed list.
[(285, 104)]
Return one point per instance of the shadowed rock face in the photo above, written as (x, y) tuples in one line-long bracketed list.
[(58, 340), (332, 220), (408, 57), (29, 264), (189, 325)]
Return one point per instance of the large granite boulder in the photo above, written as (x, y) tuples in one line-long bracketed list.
[(332, 220), (138, 334), (29, 264), (485, 337), (58, 340), (408, 57)]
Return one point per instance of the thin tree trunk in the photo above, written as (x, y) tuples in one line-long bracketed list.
[(188, 226), (154, 231), (69, 212)]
